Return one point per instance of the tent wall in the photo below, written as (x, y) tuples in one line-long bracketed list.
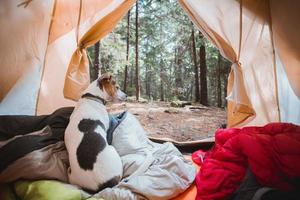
[(64, 41), (288, 101), (243, 34), (286, 31), (285, 17), (260, 38), (23, 41), (34, 65)]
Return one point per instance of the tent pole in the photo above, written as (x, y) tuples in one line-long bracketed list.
[(78, 22), (241, 31)]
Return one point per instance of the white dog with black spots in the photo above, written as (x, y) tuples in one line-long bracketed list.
[(94, 164)]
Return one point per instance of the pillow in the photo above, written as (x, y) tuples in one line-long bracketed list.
[(46, 190)]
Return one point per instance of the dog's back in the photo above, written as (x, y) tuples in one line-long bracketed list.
[(94, 164)]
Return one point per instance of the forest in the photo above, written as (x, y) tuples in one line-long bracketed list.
[(158, 54)]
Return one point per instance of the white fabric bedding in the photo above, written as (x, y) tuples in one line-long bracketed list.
[(151, 170)]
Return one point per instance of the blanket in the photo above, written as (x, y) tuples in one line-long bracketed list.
[(32, 147), (151, 170), (272, 153)]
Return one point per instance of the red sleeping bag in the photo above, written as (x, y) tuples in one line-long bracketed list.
[(271, 152)]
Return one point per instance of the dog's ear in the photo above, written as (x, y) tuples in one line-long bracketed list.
[(104, 78)]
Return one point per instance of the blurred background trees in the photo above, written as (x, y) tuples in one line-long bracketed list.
[(158, 54)]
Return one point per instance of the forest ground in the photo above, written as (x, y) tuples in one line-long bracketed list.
[(189, 123)]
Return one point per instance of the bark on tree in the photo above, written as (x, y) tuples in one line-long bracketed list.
[(162, 67), (137, 81), (97, 66), (162, 96), (127, 53), (178, 73), (219, 90), (203, 72), (226, 70), (148, 81), (196, 70), (131, 77), (178, 78), (191, 92)]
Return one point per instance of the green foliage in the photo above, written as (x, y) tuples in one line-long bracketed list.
[(165, 55)]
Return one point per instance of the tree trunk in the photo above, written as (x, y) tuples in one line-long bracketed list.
[(196, 70), (191, 92), (148, 81), (178, 78), (226, 71), (97, 66), (137, 81), (203, 71), (178, 73), (127, 53), (131, 77), (225, 90), (162, 96), (219, 90)]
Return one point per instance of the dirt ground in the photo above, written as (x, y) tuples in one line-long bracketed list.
[(181, 124)]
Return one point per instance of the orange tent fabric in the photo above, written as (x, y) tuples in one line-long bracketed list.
[(89, 22), (77, 77), (249, 33)]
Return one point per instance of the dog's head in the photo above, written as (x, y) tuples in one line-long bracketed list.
[(106, 88)]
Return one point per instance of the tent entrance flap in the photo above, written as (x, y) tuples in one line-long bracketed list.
[(224, 22), (63, 43), (77, 77)]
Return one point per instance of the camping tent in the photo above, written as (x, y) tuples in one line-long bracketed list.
[(38, 42), (44, 59), (260, 38)]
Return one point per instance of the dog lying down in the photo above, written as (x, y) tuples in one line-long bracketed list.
[(94, 164)]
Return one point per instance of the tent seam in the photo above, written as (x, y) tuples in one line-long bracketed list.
[(43, 70), (274, 61), (241, 31), (78, 22)]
